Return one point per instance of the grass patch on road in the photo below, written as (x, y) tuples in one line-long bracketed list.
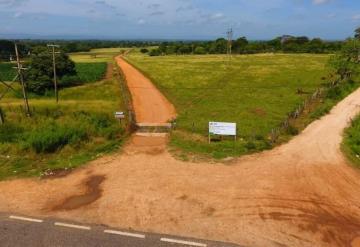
[(255, 91)]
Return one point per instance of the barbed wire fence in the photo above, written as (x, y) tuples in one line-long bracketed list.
[(300, 109)]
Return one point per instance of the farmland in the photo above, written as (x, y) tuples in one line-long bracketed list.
[(65, 135), (255, 91)]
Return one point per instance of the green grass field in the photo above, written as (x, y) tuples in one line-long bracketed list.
[(7, 73), (255, 91), (90, 72), (80, 128), (96, 55)]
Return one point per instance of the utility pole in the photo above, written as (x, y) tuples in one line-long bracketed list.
[(230, 34), (54, 68), (21, 77)]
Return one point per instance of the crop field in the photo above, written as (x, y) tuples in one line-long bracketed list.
[(87, 71), (7, 73), (254, 91), (91, 72)]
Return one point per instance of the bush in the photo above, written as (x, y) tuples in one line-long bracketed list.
[(51, 137), (144, 50), (69, 81), (291, 130), (10, 132), (155, 52)]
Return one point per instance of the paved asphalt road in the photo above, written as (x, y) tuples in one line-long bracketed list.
[(20, 231)]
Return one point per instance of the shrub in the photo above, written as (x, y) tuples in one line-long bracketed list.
[(69, 81), (144, 50), (51, 137), (10, 132)]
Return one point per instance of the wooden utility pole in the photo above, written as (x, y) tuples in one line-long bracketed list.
[(21, 77), (230, 34), (54, 68), (2, 118)]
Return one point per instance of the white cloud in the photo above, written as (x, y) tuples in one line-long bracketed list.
[(141, 22), (318, 2), (356, 17)]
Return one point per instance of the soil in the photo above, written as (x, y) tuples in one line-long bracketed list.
[(303, 193), (93, 192), (149, 104), (109, 71)]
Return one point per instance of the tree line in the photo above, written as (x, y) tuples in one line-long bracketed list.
[(26, 46), (286, 44)]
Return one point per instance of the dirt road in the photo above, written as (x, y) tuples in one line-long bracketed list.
[(300, 194), (149, 104)]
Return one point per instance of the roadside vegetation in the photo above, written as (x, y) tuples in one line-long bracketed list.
[(65, 135), (351, 143)]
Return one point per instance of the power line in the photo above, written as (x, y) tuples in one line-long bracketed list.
[(54, 69)]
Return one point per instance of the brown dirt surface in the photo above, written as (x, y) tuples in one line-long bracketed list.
[(109, 71), (303, 193), (149, 104)]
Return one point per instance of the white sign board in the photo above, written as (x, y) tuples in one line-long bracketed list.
[(119, 115), (225, 129)]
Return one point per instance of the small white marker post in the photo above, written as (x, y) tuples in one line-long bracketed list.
[(120, 116)]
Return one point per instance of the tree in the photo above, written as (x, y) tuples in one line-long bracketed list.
[(144, 50), (40, 75), (346, 63), (240, 44), (200, 50), (357, 33)]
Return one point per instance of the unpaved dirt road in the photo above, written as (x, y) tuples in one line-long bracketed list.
[(149, 104), (300, 194)]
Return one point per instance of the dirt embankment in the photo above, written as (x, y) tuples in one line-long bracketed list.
[(300, 194)]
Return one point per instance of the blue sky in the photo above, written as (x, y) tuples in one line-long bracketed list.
[(180, 19)]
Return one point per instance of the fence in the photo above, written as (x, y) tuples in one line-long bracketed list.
[(318, 94)]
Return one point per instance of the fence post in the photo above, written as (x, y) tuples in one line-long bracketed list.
[(2, 117)]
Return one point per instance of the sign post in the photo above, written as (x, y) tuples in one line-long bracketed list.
[(223, 129), (119, 115)]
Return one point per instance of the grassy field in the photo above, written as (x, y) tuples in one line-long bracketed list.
[(80, 128), (7, 73), (90, 72), (255, 91), (96, 55)]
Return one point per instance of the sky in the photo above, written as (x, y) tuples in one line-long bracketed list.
[(179, 19)]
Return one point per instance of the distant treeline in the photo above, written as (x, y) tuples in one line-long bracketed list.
[(25, 46), (287, 44)]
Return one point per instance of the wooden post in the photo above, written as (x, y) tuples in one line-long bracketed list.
[(2, 118), (19, 69)]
